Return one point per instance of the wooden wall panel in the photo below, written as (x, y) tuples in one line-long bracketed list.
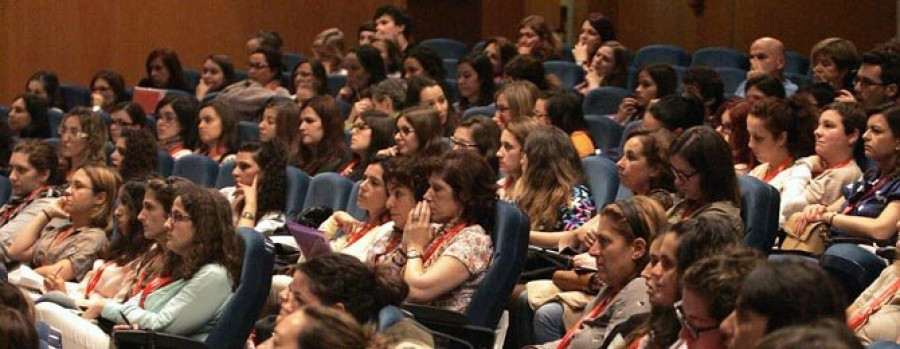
[(459, 19), (78, 38), (501, 18)]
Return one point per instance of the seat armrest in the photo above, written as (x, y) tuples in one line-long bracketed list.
[(453, 324), (148, 339)]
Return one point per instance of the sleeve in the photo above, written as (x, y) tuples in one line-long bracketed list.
[(875, 287), (828, 187), (22, 219), (269, 223), (473, 248), (792, 198), (580, 209), (83, 250), (194, 306)]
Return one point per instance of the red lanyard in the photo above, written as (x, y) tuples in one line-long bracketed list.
[(878, 184), (593, 314), (154, 285), (213, 154), (395, 240), (858, 320), (143, 274), (769, 175), (9, 212), (62, 235), (365, 229), (831, 167), (349, 168), (92, 283), (176, 149), (437, 243)]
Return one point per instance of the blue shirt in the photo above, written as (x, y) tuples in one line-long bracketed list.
[(865, 201)]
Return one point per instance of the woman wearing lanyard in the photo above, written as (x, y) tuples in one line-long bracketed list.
[(201, 269), (65, 239), (838, 144), (873, 315), (370, 133), (358, 236), (780, 132), (259, 169), (445, 265), (623, 239)]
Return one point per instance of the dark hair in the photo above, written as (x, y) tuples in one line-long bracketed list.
[(891, 114), (708, 82), (701, 237), (717, 279), (409, 172), (273, 60), (564, 110), (332, 145), (271, 158), (664, 76), (326, 328), (603, 25), (37, 108), (50, 82), (414, 88), (486, 135), (17, 330), (529, 68), (287, 122), (393, 88), (134, 111), (126, 248), (486, 87), (173, 64), (370, 59), (340, 278), (767, 84), (618, 77), (186, 111), (427, 126), (548, 47), (853, 118), (318, 72), (795, 118), (507, 49), (42, 156), (678, 111), (473, 184), (215, 240), (393, 60), (822, 92), (399, 16), (367, 26), (822, 334), (268, 39), (383, 128), (429, 59), (228, 74), (652, 218), (780, 291), (13, 298), (229, 120), (888, 60), (708, 153), (116, 84), (141, 158), (166, 190)]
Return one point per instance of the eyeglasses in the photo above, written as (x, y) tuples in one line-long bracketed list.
[(462, 144), (257, 66), (683, 176), (694, 332), (78, 185), (866, 82), (71, 132), (179, 217), (359, 127)]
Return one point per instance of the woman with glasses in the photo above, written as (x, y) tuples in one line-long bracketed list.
[(732, 126), (418, 134), (480, 134), (264, 68), (107, 90), (309, 79), (623, 238), (136, 155), (201, 268), (176, 125), (320, 146), (82, 140), (371, 133), (514, 101), (423, 91), (705, 179), (125, 116), (65, 239)]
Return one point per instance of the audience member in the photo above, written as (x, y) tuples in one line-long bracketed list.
[(107, 89), (125, 116), (418, 133), (365, 33), (33, 173), (873, 314), (82, 140), (264, 68), (218, 73), (480, 134), (537, 39), (733, 127), (136, 155), (878, 79), (309, 79), (371, 133), (514, 101), (596, 29), (390, 54), (706, 84), (833, 61), (259, 195), (675, 113), (474, 82), (358, 235), (767, 58), (328, 49), (365, 69), (264, 39), (45, 83), (217, 131), (280, 121), (500, 51), (389, 96), (764, 86), (321, 146), (423, 91), (510, 154), (164, 70), (530, 68), (606, 66), (28, 117), (176, 125), (394, 22), (654, 81)]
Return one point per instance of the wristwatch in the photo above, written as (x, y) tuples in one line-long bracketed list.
[(248, 215), (413, 254)]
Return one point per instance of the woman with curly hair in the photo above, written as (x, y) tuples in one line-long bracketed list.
[(444, 267), (82, 140), (321, 146), (136, 155), (259, 169)]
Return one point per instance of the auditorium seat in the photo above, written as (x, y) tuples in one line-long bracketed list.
[(447, 48)]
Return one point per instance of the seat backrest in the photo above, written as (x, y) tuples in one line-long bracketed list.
[(5, 190), (335, 82), (603, 179), (198, 169), (328, 189), (343, 106), (731, 78), (796, 62), (716, 57), (352, 208), (192, 77), (487, 110), (166, 163), (248, 131), (447, 48), (760, 205), (510, 238), (297, 187), (75, 96), (450, 67), (666, 54), (224, 178), (289, 60), (569, 73), (452, 87), (54, 116), (237, 319), (604, 100), (605, 132)]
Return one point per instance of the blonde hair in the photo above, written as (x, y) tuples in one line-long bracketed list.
[(95, 140), (554, 169), (106, 181), (521, 96)]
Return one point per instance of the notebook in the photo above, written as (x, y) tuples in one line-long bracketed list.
[(311, 241), (148, 98)]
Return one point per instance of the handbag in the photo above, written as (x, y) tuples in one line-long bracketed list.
[(812, 239), (540, 263)]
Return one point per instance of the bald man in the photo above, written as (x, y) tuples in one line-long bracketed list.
[(767, 57)]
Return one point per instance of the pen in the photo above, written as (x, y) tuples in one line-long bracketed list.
[(122, 313)]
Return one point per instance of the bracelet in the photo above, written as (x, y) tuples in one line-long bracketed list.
[(248, 215), (831, 219)]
